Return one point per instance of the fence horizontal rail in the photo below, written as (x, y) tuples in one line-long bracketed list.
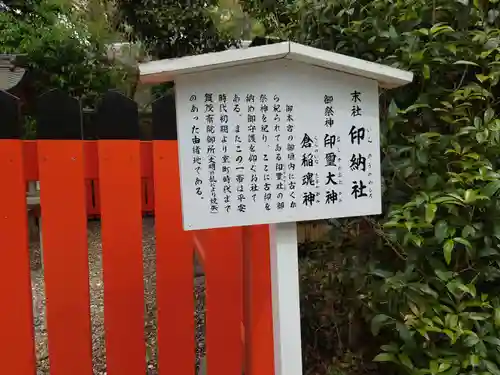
[(306, 232), (91, 164)]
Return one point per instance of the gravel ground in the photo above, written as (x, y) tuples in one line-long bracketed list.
[(97, 305)]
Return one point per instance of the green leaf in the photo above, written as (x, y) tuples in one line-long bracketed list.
[(478, 122), (391, 348), (454, 370), (441, 230), (487, 252), (474, 360), (384, 357), (393, 33), (465, 62), (432, 180), (393, 109), (422, 156), (482, 78), (451, 321), (497, 317), (470, 196), (414, 309), (450, 334), (405, 334), (434, 367), (492, 367), (392, 224), (444, 275), (473, 155), (481, 137), (431, 134), (447, 250), (405, 360), (475, 315), (471, 289), (408, 171), (496, 230), (463, 241), (449, 199), (491, 188), (417, 239), (425, 288), (452, 48), (426, 71), (377, 322), (444, 367), (471, 340), (492, 340), (414, 107), (381, 273), (440, 29), (430, 212), (468, 231), (489, 114)]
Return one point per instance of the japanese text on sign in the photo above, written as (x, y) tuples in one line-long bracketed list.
[(297, 151)]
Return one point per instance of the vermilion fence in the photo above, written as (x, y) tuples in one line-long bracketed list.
[(236, 260)]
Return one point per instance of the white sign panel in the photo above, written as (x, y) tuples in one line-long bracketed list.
[(278, 141)]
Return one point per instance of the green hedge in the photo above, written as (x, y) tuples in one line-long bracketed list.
[(424, 276)]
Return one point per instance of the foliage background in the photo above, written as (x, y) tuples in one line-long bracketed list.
[(423, 278), (62, 49)]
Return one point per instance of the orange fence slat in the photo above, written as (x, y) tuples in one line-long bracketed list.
[(30, 160), (259, 357), (91, 195), (148, 195), (65, 255), (120, 193), (174, 267), (97, 196), (17, 349), (91, 160), (146, 159), (224, 299)]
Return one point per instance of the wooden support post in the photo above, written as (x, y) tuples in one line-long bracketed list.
[(286, 299)]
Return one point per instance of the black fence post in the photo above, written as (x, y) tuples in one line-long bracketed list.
[(10, 115), (117, 117), (58, 116), (164, 118)]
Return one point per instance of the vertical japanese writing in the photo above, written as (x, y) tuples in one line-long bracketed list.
[(290, 147), (211, 139), (316, 163), (308, 178), (240, 168), (225, 157), (358, 161), (280, 164), (329, 111), (196, 147), (264, 129), (252, 148), (331, 159)]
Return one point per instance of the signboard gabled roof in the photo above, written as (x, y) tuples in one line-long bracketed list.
[(167, 70)]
